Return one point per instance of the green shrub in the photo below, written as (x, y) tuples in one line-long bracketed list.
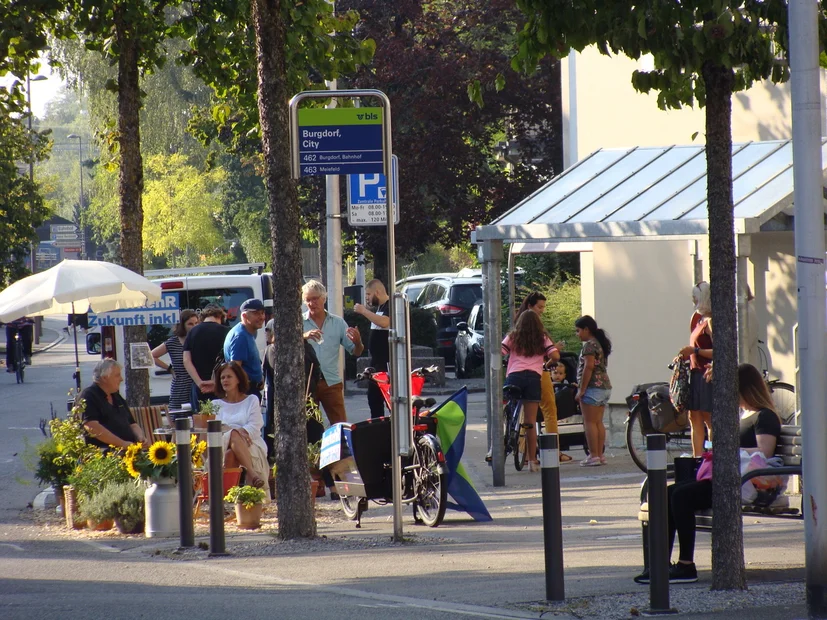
[(98, 507), (247, 495), (93, 475), (122, 501), (50, 469), (562, 310)]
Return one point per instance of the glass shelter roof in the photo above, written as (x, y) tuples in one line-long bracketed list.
[(645, 191)]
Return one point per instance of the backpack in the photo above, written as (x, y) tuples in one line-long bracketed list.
[(679, 386), (665, 418)]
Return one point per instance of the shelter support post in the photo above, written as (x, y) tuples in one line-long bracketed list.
[(743, 251), (512, 293), (491, 256), (809, 252)]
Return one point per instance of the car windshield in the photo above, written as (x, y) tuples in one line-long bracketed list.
[(465, 295)]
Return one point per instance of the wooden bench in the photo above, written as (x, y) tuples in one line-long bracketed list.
[(149, 418), (788, 449)]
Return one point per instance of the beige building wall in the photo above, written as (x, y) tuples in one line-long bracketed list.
[(773, 284), (643, 299), (609, 113)]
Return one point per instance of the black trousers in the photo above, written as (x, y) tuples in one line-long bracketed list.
[(376, 401), (26, 334), (684, 500)]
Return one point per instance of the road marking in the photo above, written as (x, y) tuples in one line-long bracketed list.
[(102, 547), (24, 428), (620, 537), (15, 547), (477, 611)]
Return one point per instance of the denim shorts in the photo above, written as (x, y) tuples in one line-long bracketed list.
[(596, 397), (528, 382)]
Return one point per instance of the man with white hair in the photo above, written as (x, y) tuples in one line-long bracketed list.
[(326, 333), (107, 418)]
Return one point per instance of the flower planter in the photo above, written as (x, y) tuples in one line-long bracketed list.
[(100, 526), (199, 420), (70, 508), (127, 526), (162, 514), (315, 485), (248, 518)]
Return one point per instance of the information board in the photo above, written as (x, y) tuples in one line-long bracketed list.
[(340, 141), (367, 197)]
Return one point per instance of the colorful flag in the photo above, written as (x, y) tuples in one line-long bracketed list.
[(450, 429)]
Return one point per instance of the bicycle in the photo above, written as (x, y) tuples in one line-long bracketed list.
[(366, 474), (639, 425), (514, 431), (783, 394)]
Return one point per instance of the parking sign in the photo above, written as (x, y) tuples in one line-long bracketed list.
[(367, 197)]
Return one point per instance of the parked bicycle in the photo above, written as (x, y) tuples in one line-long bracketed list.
[(367, 475), (783, 394), (514, 431)]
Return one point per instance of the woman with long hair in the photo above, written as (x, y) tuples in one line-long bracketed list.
[(536, 302), (240, 414), (180, 391), (593, 386), (759, 430), (527, 347), (699, 353)]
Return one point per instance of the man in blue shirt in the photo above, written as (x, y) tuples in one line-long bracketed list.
[(240, 343), (326, 333)]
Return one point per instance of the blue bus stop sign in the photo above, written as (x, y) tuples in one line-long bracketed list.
[(367, 197), (340, 141)]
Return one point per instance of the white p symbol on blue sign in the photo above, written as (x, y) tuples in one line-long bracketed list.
[(366, 180)]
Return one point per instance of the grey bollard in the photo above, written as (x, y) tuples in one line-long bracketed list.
[(215, 453), (184, 456), (658, 526), (552, 519)]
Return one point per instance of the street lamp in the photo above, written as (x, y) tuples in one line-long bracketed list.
[(29, 80), (72, 136)]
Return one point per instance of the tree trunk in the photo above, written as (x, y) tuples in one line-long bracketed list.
[(380, 262), (130, 188), (295, 511), (727, 535)]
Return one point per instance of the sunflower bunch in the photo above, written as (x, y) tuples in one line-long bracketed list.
[(197, 449), (157, 462)]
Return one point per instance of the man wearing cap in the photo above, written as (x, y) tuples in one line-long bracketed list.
[(326, 333), (240, 344)]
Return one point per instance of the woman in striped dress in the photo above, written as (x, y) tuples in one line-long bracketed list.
[(179, 391)]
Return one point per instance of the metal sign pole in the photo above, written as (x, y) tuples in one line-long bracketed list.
[(387, 164)]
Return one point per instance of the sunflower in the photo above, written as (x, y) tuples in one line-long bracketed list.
[(161, 453), (130, 467)]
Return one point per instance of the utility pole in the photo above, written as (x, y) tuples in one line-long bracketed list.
[(29, 80)]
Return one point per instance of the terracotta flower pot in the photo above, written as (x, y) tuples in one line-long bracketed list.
[(100, 526), (315, 485), (248, 518), (199, 420), (125, 527)]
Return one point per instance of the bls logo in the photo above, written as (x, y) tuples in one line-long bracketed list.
[(370, 116)]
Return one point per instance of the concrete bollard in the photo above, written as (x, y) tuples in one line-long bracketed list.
[(215, 453), (658, 526), (184, 456), (552, 519)]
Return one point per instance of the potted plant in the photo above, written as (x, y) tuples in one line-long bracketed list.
[(98, 511), (90, 477), (206, 412), (158, 465), (121, 501), (249, 505)]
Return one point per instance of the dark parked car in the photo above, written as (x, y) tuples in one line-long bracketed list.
[(412, 285), (450, 300), (469, 343)]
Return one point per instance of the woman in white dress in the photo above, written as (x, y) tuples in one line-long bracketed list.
[(241, 418)]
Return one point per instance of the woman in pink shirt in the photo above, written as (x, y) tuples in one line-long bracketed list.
[(527, 347)]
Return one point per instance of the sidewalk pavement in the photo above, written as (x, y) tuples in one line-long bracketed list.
[(499, 565)]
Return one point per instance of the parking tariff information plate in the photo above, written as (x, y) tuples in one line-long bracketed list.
[(340, 141), (367, 197)]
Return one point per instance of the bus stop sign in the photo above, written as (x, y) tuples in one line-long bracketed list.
[(340, 141)]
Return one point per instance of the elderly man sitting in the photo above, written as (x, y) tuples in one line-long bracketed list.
[(107, 418)]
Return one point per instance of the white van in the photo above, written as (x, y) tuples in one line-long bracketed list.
[(181, 290)]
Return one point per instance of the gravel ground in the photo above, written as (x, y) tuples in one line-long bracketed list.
[(697, 598)]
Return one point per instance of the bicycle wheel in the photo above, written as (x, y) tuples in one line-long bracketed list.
[(430, 484), (636, 440), (520, 441), (507, 441), (349, 505), (783, 396)]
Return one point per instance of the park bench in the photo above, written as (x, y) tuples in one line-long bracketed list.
[(149, 419), (788, 449)]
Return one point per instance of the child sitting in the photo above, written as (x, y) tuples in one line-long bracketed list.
[(558, 375)]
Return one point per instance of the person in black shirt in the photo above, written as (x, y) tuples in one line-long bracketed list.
[(202, 347), (107, 418), (380, 322)]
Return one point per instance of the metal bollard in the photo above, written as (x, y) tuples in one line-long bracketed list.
[(658, 526), (215, 454), (552, 520), (184, 455)]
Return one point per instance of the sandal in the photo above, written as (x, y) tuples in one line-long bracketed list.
[(565, 458)]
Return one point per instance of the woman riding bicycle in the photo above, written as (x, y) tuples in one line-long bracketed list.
[(527, 347)]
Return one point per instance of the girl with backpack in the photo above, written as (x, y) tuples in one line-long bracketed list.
[(594, 387), (527, 347), (699, 353)]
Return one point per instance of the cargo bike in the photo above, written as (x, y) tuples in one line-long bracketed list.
[(358, 457)]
